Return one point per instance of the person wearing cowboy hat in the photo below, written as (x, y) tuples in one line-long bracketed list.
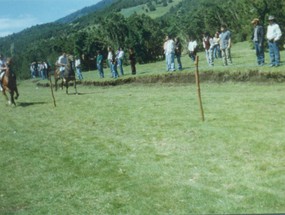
[(257, 38), (273, 36)]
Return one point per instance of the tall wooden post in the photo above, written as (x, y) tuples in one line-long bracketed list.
[(51, 88), (198, 87)]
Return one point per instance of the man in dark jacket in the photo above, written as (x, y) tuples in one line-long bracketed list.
[(258, 38)]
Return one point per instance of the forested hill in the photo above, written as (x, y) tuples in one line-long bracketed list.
[(112, 26), (85, 11)]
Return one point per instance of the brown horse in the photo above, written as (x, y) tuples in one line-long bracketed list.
[(9, 83), (67, 76)]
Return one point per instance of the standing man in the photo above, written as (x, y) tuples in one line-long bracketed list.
[(257, 38), (170, 54), (273, 36), (164, 50), (132, 58), (109, 59), (225, 45), (99, 61), (192, 48), (208, 45), (78, 68), (178, 51), (120, 56)]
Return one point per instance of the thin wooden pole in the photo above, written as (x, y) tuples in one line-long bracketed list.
[(51, 88), (198, 87)]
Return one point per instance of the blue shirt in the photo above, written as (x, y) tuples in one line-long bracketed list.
[(224, 39)]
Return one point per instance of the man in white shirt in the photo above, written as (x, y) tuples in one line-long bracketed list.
[(110, 58), (273, 36), (164, 50), (78, 68), (120, 60), (192, 48), (170, 54), (62, 62)]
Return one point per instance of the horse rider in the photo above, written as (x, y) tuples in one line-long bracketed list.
[(2, 70), (62, 62)]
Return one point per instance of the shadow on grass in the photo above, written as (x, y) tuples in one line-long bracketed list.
[(26, 104), (87, 93)]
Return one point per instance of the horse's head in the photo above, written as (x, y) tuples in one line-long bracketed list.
[(9, 61), (70, 57), (70, 62)]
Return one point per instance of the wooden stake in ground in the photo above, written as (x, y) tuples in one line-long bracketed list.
[(51, 88), (198, 87)]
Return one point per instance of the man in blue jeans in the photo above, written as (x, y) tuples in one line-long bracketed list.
[(273, 36), (257, 38), (120, 58), (225, 45), (170, 54)]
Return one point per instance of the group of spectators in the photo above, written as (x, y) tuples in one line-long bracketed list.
[(39, 69), (215, 47), (219, 45), (273, 36), (115, 60)]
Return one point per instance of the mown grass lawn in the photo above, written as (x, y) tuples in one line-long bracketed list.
[(143, 149)]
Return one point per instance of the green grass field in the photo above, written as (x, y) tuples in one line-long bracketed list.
[(143, 149)]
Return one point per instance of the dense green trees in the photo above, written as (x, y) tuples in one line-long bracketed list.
[(97, 31), (197, 17)]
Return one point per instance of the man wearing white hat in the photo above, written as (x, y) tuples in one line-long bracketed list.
[(273, 36)]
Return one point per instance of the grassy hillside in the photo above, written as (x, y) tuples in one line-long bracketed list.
[(143, 9), (85, 11)]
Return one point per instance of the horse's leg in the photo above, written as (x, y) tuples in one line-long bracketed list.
[(12, 101), (75, 87), (62, 83), (17, 92), (66, 86), (55, 83), (4, 93)]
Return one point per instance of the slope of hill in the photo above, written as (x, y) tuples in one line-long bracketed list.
[(85, 11), (157, 9)]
